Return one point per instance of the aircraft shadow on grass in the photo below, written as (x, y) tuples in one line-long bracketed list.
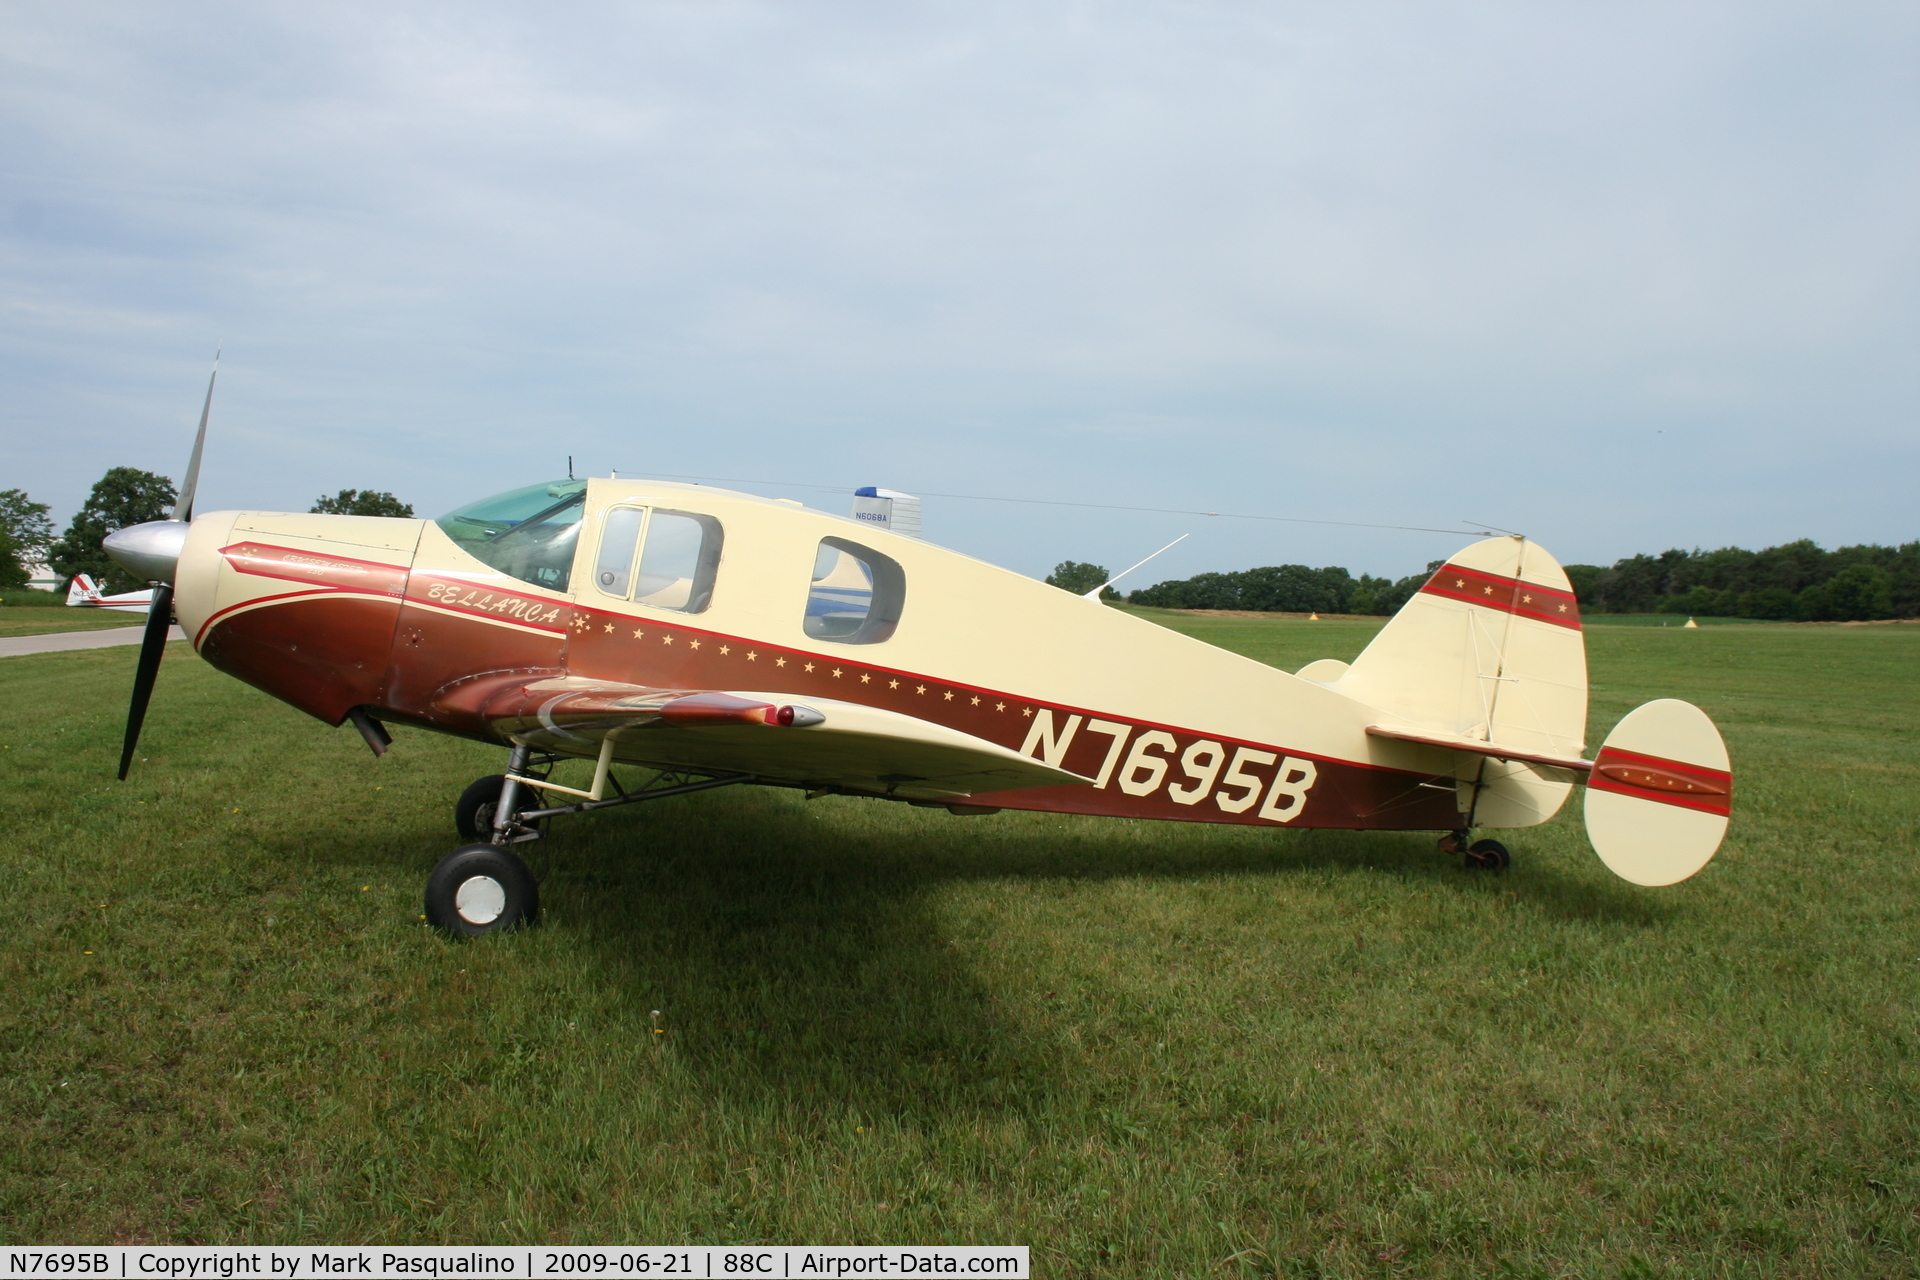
[(794, 957)]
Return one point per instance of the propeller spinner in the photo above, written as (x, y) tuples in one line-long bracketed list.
[(151, 552)]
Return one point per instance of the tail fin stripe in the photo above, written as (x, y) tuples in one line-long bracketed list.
[(1674, 782), (1506, 595)]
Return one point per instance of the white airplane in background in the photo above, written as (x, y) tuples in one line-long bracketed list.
[(84, 593)]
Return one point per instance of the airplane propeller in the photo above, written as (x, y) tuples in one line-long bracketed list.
[(152, 552)]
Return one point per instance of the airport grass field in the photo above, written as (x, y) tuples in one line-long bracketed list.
[(1142, 1049), (55, 617)]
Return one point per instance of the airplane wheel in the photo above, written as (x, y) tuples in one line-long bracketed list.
[(473, 812), (481, 888), (1488, 855)]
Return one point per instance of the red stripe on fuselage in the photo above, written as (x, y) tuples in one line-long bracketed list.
[(1674, 782), (1508, 595), (342, 573), (654, 651)]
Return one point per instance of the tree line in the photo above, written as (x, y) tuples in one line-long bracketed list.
[(1283, 588), (1798, 581), (123, 496)]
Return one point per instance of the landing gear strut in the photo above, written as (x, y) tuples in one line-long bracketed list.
[(484, 886)]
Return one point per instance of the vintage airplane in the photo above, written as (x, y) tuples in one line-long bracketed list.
[(720, 638), (84, 593)]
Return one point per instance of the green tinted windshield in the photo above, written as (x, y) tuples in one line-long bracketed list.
[(528, 532)]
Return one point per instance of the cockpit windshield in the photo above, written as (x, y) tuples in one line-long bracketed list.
[(529, 533)]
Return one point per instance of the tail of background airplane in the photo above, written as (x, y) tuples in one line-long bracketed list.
[(82, 590)]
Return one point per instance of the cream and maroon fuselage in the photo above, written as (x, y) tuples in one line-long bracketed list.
[(330, 613)]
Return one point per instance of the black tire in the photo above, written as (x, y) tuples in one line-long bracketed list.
[(1488, 855), (481, 888), (473, 812)]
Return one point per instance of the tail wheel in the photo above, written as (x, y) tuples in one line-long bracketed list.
[(481, 888), (1488, 855)]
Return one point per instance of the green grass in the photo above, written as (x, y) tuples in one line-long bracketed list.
[(1667, 620), (25, 620), (1145, 1050)]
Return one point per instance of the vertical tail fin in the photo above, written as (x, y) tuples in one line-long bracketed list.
[(1490, 648)]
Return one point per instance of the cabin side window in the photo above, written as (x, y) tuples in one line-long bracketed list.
[(678, 554), (619, 538), (857, 595)]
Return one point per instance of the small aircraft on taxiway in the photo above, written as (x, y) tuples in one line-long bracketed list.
[(719, 639), (84, 593)]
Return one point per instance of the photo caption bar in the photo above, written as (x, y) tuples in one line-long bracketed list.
[(231, 1262)]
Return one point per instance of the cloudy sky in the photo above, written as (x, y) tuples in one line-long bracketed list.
[(1619, 276)]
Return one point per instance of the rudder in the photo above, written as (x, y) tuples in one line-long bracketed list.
[(1489, 648)]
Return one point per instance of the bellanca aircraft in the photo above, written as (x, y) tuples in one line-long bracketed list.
[(716, 638)]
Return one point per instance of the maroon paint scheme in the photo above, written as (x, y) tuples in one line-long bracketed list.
[(438, 652)]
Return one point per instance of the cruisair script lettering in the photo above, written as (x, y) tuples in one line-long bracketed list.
[(338, 573), (1189, 771)]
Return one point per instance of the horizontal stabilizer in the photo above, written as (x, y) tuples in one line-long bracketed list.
[(1660, 794), (1499, 751)]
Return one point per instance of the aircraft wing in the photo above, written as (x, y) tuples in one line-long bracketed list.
[(818, 742)]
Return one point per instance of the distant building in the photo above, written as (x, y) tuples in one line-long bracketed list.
[(888, 508), (41, 577)]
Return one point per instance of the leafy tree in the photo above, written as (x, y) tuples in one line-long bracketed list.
[(1282, 588), (124, 496), (1860, 593), (1072, 575), (1367, 594), (1582, 577), (368, 502), (26, 530), (13, 569), (1812, 604), (1775, 603)]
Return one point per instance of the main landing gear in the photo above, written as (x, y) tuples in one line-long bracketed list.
[(484, 886), (1481, 855)]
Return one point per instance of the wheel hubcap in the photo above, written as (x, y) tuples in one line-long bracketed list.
[(480, 900)]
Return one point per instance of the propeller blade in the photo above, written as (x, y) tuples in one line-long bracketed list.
[(152, 645), (183, 507)]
